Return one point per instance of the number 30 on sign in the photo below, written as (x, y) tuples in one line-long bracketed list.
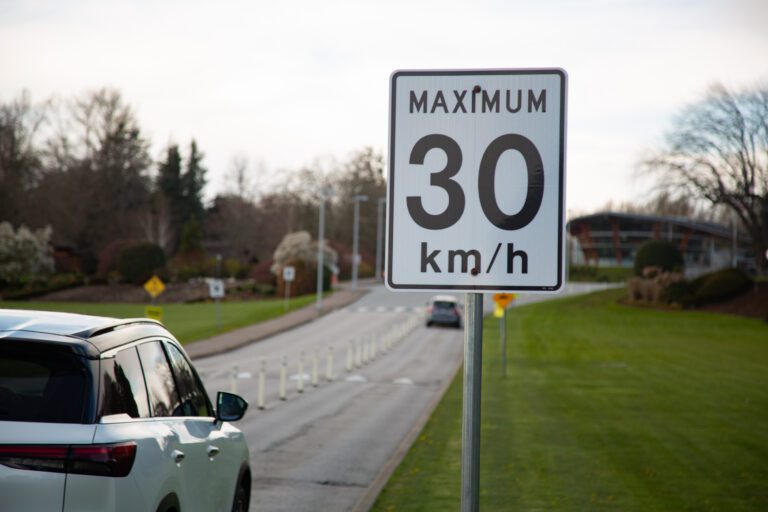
[(476, 180)]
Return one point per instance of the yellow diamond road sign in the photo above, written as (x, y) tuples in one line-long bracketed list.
[(154, 286), (503, 299)]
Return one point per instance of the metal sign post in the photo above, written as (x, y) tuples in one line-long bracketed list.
[(503, 300), (503, 334), (470, 420)]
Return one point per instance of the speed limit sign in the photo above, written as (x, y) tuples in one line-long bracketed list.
[(477, 180)]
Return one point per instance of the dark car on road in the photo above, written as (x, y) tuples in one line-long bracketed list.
[(444, 310)]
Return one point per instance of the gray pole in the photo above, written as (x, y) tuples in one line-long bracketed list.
[(379, 236), (355, 227), (320, 243), (355, 230), (470, 431), (287, 294), (503, 332)]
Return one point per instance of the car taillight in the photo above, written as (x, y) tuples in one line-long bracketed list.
[(114, 460), (429, 310)]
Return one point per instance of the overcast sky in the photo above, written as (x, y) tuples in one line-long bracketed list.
[(286, 83)]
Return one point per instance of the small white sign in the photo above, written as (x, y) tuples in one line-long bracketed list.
[(476, 197), (289, 274), (216, 288)]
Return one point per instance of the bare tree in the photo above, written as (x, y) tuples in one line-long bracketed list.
[(718, 153), (96, 174), (20, 162), (241, 179)]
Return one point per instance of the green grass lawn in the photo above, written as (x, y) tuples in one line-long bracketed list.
[(188, 322), (605, 407)]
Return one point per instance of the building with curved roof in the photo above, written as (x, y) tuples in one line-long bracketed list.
[(612, 239)]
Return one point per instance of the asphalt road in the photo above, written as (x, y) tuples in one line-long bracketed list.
[(321, 449)]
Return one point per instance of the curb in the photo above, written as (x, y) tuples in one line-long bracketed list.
[(371, 493)]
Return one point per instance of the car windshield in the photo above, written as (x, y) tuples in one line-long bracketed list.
[(40, 387), (444, 304)]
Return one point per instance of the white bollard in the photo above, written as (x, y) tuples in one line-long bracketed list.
[(314, 370), (233, 380), (349, 357), (329, 365), (365, 352), (358, 355), (262, 383), (300, 382), (283, 377)]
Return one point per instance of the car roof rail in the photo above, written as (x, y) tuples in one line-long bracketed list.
[(120, 324)]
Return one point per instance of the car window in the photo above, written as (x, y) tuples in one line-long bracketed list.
[(42, 387), (194, 401), (163, 397), (122, 386), (444, 304)]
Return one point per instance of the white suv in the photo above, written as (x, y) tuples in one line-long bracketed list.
[(98, 414)]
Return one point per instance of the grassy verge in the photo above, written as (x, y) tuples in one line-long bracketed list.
[(606, 407), (188, 322)]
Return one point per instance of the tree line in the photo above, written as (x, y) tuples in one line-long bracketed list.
[(83, 168)]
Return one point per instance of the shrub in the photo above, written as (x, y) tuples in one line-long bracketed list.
[(365, 269), (109, 256), (36, 289), (721, 285), (658, 253), (138, 262), (24, 253), (680, 292), (262, 273), (235, 268)]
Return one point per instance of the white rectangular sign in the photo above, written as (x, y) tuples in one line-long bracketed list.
[(216, 288), (476, 195), (289, 273)]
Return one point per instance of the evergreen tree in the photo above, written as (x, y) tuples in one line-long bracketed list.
[(193, 181), (169, 183)]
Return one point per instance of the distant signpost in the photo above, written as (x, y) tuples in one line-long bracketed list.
[(289, 274), (216, 288), (154, 312), (154, 287)]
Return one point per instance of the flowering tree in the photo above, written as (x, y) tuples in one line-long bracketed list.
[(24, 252), (298, 250), (299, 246)]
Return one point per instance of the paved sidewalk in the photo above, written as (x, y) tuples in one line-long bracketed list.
[(245, 335)]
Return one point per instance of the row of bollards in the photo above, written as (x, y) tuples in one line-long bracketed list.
[(360, 352)]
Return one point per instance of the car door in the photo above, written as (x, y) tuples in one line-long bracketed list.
[(223, 454), (167, 404), (124, 417)]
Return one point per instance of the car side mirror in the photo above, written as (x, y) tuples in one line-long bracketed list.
[(230, 407)]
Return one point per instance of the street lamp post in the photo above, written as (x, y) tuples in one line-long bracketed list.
[(355, 229), (324, 193), (379, 235)]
